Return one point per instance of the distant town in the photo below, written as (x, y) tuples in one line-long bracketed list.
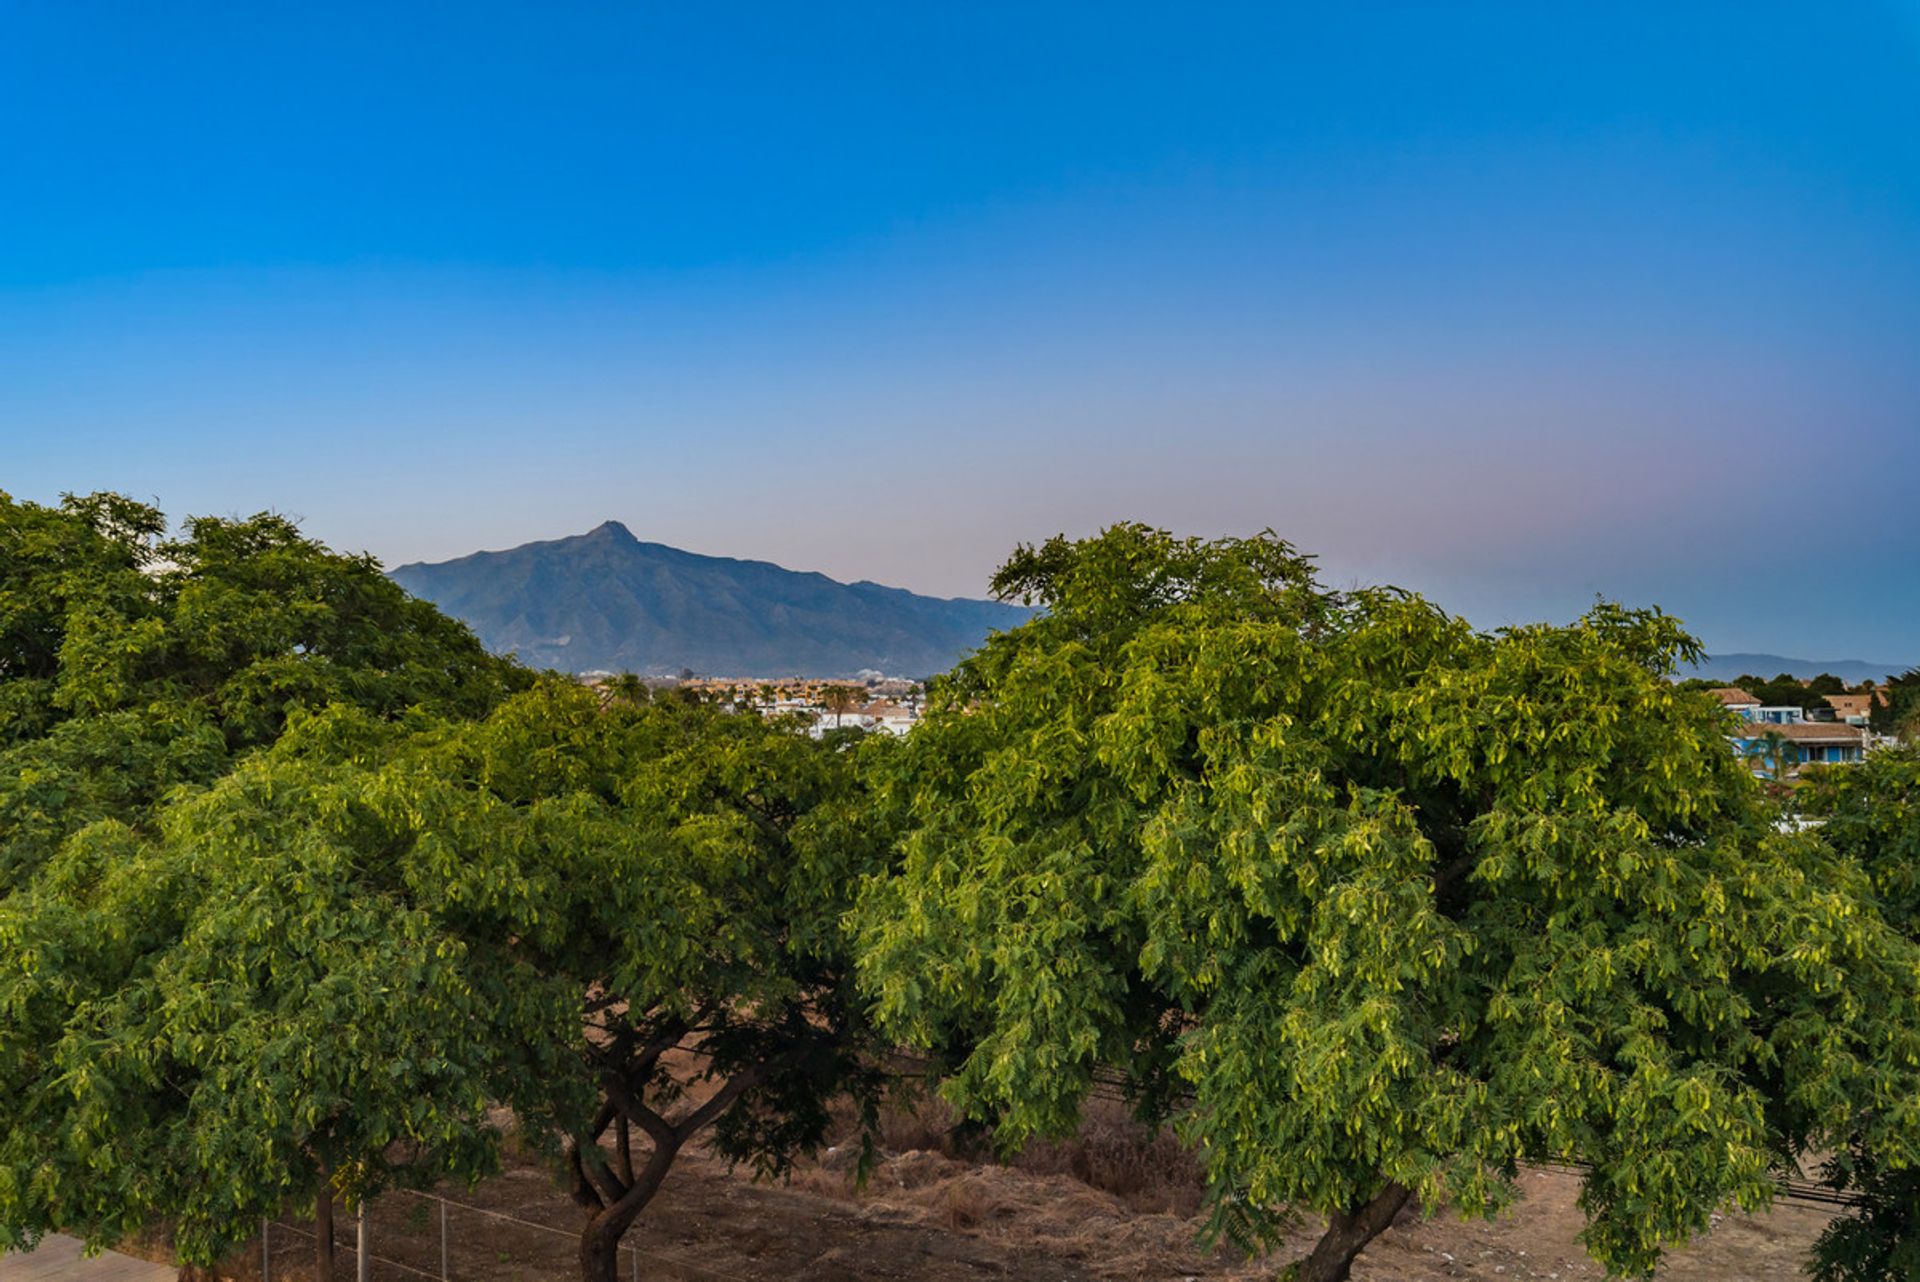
[(1784, 723), (870, 701)]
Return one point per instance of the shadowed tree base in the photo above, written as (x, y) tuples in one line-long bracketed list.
[(1348, 1233)]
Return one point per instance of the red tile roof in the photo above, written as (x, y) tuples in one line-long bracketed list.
[(1806, 732)]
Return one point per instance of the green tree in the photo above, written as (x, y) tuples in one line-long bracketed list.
[(130, 664), (1899, 712), (140, 677), (230, 1015), (1871, 812), (318, 974), (647, 899), (1818, 688), (1376, 906)]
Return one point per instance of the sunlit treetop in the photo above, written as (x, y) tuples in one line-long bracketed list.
[(1380, 905), (131, 662)]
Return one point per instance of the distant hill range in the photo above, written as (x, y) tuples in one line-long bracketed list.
[(605, 601), (1725, 667)]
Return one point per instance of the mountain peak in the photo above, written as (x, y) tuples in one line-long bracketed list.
[(611, 530), (605, 601)]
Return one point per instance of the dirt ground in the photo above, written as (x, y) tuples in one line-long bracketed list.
[(925, 1216)]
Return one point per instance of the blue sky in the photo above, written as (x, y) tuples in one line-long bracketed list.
[(1511, 304)]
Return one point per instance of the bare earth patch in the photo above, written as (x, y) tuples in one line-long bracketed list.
[(924, 1215)]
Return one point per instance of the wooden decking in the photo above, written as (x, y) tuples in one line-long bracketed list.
[(58, 1259)]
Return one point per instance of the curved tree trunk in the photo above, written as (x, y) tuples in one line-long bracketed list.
[(1348, 1233), (613, 1198), (600, 1239)]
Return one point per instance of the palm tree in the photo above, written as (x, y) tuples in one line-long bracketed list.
[(624, 688), (1775, 747), (840, 700)]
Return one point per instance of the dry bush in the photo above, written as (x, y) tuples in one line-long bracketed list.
[(911, 1120), (963, 1203), (1148, 1170)]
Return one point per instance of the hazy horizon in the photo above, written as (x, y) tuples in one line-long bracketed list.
[(1510, 307)]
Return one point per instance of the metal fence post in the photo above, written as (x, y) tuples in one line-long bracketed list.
[(360, 1244), (266, 1252), (443, 1240)]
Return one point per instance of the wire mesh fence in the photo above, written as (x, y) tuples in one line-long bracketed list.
[(406, 1236)]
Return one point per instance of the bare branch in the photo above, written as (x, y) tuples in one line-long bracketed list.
[(658, 1129), (723, 1099)]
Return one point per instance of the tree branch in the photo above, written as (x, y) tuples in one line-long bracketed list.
[(579, 1187), (658, 1129), (601, 1120), (609, 1186), (723, 1099), (590, 1184)]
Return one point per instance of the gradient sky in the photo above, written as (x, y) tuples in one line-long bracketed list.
[(1511, 304)]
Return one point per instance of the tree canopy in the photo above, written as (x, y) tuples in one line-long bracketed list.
[(669, 878), (1871, 812), (231, 1012), (1899, 712), (180, 1000), (321, 973), (131, 662), (1377, 905), (299, 884)]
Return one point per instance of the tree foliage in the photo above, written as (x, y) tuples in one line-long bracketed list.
[(670, 877), (1898, 712), (1378, 905), (231, 1013), (300, 885), (198, 1003), (131, 663), (1871, 812)]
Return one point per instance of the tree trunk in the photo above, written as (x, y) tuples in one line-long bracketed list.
[(613, 1200), (323, 1229), (1348, 1233), (600, 1239), (599, 1253)]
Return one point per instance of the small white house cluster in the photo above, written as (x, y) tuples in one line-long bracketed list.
[(875, 704), (879, 717)]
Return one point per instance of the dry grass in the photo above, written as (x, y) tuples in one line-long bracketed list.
[(1147, 1171)]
